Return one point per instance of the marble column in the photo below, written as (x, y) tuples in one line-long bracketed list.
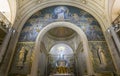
[(5, 44), (114, 52), (46, 70), (35, 61), (90, 69), (77, 65), (115, 37)]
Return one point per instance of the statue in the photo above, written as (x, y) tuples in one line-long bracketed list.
[(62, 68), (21, 57), (101, 56)]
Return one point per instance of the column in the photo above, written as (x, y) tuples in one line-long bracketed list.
[(90, 69), (115, 37), (114, 52), (35, 61), (5, 44)]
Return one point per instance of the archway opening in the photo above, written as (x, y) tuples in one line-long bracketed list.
[(68, 35), (59, 47)]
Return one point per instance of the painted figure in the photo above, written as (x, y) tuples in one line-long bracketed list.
[(61, 12), (101, 56), (21, 57)]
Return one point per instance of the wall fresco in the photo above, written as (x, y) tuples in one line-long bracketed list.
[(65, 13), (101, 59), (22, 61)]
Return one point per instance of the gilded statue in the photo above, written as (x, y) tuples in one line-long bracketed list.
[(21, 57), (61, 68)]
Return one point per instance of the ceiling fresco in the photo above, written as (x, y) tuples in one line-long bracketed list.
[(101, 58), (79, 17), (61, 32)]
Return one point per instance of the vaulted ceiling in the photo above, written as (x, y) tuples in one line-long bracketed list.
[(8, 9), (5, 8)]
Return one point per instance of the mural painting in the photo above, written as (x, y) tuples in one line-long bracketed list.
[(65, 13), (101, 59), (22, 59)]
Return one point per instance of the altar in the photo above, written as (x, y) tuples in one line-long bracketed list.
[(62, 75), (62, 69)]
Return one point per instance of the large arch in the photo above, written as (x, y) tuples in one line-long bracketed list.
[(37, 7), (61, 24)]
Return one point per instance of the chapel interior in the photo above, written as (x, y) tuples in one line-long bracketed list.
[(59, 37)]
